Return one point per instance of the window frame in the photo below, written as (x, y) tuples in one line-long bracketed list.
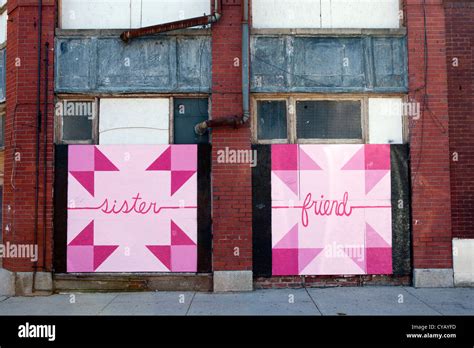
[(292, 99), (58, 125)]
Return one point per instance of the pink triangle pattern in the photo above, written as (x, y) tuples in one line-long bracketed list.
[(289, 178), (357, 162), (178, 179), (102, 163), (289, 240), (306, 256), (102, 253), (355, 258), (373, 239), (162, 253), (95, 256), (86, 179), (178, 236), (162, 163), (85, 237), (307, 163), (372, 178)]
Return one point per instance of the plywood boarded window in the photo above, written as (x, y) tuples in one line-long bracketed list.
[(134, 121), (126, 14), (309, 14)]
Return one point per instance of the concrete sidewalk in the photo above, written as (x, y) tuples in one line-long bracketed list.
[(314, 301)]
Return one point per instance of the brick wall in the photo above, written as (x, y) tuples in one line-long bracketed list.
[(231, 183), (20, 126), (459, 44), (430, 159)]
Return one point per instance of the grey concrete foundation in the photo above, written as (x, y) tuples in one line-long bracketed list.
[(227, 281), (433, 278), (7, 283)]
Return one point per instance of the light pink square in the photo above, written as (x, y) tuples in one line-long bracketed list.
[(80, 259), (81, 158), (184, 157), (183, 258)]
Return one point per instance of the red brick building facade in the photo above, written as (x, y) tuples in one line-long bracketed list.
[(440, 68)]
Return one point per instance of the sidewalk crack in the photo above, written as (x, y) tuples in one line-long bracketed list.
[(312, 300), (103, 309), (422, 301), (190, 303)]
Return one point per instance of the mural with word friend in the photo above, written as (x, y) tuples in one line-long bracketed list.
[(331, 210), (132, 208)]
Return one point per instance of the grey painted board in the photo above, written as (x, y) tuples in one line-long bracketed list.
[(188, 112), (167, 64), (289, 63)]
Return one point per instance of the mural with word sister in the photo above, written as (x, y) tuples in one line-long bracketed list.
[(132, 208), (331, 210)]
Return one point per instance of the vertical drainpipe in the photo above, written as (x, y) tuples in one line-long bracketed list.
[(245, 62)]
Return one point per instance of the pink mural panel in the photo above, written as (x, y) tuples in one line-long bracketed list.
[(331, 210), (132, 208)]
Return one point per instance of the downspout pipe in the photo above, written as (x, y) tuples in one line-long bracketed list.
[(245, 63), (236, 121), (126, 36)]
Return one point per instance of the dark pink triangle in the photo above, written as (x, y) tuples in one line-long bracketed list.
[(178, 236), (85, 237), (162, 253), (289, 240), (102, 163), (163, 162), (86, 179), (102, 253), (179, 178)]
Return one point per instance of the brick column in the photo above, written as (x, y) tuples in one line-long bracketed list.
[(430, 157), (460, 62), (231, 183), (20, 141)]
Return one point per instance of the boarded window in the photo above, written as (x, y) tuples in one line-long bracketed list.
[(329, 119), (134, 121), (326, 13), (385, 119), (188, 112), (3, 25), (272, 122), (125, 14)]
